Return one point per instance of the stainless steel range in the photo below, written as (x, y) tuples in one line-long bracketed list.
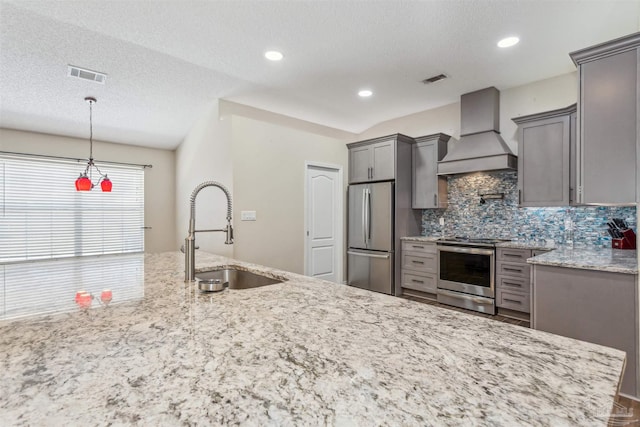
[(466, 273)]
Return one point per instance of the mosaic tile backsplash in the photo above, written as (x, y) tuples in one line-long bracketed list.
[(466, 216)]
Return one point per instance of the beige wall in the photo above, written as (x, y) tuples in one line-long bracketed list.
[(268, 177), (159, 182), (204, 155), (543, 95)]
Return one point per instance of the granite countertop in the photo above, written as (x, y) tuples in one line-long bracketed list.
[(432, 239), (528, 244), (601, 259), (302, 352), (535, 245)]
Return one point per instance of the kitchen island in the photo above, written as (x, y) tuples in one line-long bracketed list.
[(302, 352)]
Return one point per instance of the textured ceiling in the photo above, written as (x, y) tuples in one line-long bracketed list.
[(166, 61)]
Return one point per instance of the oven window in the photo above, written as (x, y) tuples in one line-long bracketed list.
[(473, 269)]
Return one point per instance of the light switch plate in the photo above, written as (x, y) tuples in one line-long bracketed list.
[(248, 215)]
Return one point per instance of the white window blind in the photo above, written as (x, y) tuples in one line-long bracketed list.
[(42, 215)]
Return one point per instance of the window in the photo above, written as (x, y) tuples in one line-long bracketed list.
[(42, 216)]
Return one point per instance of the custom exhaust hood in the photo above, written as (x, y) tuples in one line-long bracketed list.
[(481, 148)]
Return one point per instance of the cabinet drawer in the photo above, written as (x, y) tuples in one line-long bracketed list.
[(421, 282), (513, 255), (518, 284), (513, 300), (513, 269), (425, 247), (420, 262)]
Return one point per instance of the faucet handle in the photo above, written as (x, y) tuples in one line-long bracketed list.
[(182, 248)]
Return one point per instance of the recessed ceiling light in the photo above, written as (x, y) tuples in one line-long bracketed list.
[(365, 93), (508, 42), (273, 55)]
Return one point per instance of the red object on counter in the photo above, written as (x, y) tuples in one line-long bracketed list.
[(106, 296), (626, 242), (85, 300)]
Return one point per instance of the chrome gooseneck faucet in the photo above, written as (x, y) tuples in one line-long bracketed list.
[(190, 241)]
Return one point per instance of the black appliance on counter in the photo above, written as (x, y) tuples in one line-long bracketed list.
[(466, 273)]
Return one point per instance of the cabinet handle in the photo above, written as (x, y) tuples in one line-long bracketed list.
[(519, 196), (519, 270), (371, 172), (417, 247), (417, 281), (435, 200), (513, 255), (515, 285), (417, 262), (512, 300)]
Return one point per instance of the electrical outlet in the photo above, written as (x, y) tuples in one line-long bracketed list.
[(441, 220), (248, 215)]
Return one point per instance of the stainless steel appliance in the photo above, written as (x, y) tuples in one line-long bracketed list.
[(466, 273), (370, 256)]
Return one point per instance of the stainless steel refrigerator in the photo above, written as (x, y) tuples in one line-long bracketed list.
[(370, 257)]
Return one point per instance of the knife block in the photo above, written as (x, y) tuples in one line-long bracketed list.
[(627, 242)]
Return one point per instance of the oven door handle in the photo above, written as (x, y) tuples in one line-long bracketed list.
[(464, 250)]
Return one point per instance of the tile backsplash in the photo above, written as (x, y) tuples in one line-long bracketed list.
[(502, 218)]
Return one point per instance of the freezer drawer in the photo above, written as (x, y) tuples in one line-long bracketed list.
[(371, 270)]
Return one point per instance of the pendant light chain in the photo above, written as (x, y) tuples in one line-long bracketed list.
[(85, 181)]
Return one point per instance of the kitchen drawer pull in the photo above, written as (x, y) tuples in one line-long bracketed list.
[(513, 255), (514, 284), (417, 281), (417, 247), (512, 301), (417, 262), (519, 270)]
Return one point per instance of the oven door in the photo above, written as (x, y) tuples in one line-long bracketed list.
[(468, 270)]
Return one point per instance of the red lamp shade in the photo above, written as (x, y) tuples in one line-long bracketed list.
[(106, 184), (83, 183)]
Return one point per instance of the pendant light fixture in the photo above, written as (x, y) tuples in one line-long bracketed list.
[(84, 181)]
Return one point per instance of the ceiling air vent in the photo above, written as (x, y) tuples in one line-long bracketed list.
[(434, 79), (84, 74)]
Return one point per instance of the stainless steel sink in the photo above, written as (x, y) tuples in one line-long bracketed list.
[(217, 280)]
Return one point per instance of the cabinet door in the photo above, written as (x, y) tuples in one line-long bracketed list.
[(543, 162), (607, 140), (593, 306), (360, 164), (424, 172), (384, 160)]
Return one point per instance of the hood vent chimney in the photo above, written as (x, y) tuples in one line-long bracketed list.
[(481, 148)]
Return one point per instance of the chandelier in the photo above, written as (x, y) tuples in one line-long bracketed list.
[(85, 180)]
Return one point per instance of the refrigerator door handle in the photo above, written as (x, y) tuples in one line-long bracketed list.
[(368, 214), (364, 218), (368, 255)]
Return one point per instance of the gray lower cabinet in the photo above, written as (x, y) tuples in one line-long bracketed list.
[(544, 157), (608, 121), (595, 306), (429, 190), (373, 160), (419, 269), (513, 280)]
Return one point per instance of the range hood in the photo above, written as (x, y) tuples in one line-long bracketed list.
[(481, 148)]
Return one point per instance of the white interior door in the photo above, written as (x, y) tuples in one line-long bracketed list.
[(324, 218)]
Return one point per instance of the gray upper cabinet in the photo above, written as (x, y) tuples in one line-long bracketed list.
[(429, 190), (372, 160), (544, 157), (607, 121)]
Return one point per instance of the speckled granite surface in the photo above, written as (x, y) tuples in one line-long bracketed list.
[(304, 352), (601, 259), (535, 245), (431, 239)]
